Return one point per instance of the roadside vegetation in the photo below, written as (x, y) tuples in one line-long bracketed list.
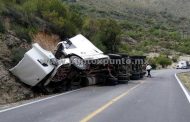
[(28, 17), (162, 61), (108, 29), (185, 78), (153, 31)]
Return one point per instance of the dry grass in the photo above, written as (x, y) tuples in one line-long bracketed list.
[(185, 78), (47, 41)]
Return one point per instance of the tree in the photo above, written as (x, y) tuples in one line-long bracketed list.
[(175, 58), (110, 33), (152, 62), (90, 27), (104, 33), (164, 61)]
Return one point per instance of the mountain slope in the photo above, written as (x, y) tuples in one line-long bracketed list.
[(180, 8), (155, 24)]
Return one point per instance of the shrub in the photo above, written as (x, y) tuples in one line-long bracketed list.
[(29, 6), (90, 28), (100, 45), (164, 61), (104, 33), (129, 25), (2, 6), (184, 46), (17, 54), (69, 29), (2, 27), (152, 62), (124, 48), (136, 52), (174, 35), (175, 58), (24, 33), (109, 34)]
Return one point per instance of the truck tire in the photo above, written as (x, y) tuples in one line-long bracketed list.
[(76, 82), (112, 81), (123, 79)]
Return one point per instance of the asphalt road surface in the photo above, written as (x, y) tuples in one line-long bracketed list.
[(156, 99)]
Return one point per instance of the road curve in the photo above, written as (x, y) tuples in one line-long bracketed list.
[(157, 99)]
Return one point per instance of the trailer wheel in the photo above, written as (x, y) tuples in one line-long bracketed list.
[(123, 78), (75, 83), (112, 81)]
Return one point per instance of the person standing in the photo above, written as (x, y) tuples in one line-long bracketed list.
[(148, 69)]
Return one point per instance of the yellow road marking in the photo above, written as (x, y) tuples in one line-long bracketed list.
[(93, 114)]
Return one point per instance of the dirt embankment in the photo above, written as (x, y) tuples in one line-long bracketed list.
[(11, 90), (47, 41)]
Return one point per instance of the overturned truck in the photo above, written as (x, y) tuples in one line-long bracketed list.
[(76, 63)]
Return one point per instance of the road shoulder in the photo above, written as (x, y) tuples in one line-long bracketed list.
[(185, 90)]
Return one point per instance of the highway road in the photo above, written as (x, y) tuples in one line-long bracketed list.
[(156, 99)]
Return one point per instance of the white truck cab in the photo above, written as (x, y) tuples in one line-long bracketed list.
[(34, 66), (82, 47)]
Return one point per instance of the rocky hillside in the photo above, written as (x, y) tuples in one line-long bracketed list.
[(11, 90), (180, 8), (12, 50), (165, 11)]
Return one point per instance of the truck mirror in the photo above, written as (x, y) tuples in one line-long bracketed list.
[(68, 41)]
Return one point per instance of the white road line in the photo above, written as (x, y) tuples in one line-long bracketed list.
[(37, 101), (183, 88)]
